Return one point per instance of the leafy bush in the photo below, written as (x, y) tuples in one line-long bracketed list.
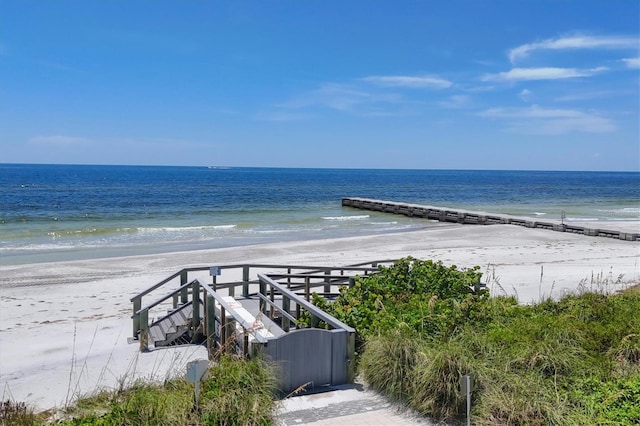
[(571, 361)]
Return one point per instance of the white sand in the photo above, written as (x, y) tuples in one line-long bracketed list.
[(64, 326)]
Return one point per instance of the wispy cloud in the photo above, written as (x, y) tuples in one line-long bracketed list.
[(542, 73), (282, 116), (351, 99), (549, 121), (456, 101), (596, 94), (59, 140), (525, 95), (573, 43), (633, 63), (412, 82)]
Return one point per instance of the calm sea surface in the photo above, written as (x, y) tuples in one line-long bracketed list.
[(59, 212)]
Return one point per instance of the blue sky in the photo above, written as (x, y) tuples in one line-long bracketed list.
[(545, 85)]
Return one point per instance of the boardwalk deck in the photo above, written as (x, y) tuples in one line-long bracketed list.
[(444, 214)]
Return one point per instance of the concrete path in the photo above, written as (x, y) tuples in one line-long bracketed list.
[(346, 405)]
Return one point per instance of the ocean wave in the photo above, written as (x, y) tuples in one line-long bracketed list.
[(355, 217), (624, 211), (90, 231), (185, 228), (385, 223), (539, 213), (582, 219)]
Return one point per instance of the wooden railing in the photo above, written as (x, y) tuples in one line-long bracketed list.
[(294, 285)]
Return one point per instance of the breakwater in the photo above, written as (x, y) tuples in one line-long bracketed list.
[(444, 214)]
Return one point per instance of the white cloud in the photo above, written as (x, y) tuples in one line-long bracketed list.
[(352, 99), (456, 101), (599, 94), (525, 95), (572, 43), (543, 73), (58, 140), (632, 62), (413, 82), (282, 116), (549, 121)]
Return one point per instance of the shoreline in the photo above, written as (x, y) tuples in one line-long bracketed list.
[(64, 325)]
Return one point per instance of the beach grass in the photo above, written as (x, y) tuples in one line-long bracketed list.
[(575, 360), (235, 391)]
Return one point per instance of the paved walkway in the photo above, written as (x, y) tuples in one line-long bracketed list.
[(346, 405)]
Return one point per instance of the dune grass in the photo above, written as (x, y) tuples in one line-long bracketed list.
[(570, 361), (235, 391)]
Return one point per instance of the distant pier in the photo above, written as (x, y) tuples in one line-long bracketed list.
[(444, 214)]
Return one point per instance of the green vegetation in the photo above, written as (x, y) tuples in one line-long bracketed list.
[(423, 325), (236, 392)]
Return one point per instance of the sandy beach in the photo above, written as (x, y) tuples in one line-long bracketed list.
[(64, 327)]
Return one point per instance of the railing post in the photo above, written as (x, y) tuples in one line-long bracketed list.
[(351, 357), (245, 343), (184, 293), (175, 301), (223, 328), (137, 304), (144, 330), (271, 297), (245, 281), (327, 287), (289, 278), (210, 325), (307, 288), (195, 295), (263, 291), (286, 306)]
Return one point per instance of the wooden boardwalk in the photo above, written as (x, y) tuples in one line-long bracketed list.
[(444, 214)]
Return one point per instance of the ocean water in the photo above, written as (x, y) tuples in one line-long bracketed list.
[(63, 212)]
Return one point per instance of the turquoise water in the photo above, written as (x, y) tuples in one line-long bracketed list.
[(60, 212)]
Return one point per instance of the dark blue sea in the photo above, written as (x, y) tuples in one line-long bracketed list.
[(62, 212)]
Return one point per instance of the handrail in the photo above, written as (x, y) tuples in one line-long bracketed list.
[(307, 272), (165, 297), (278, 308), (314, 310), (245, 325), (355, 267), (156, 286)]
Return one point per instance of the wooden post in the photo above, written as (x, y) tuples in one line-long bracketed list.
[(210, 325), (144, 330), (289, 278), (351, 357), (230, 336), (245, 281), (263, 291), (175, 301), (184, 293), (286, 306), (195, 294), (307, 290), (271, 297), (245, 343), (327, 287), (137, 304), (223, 328)]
